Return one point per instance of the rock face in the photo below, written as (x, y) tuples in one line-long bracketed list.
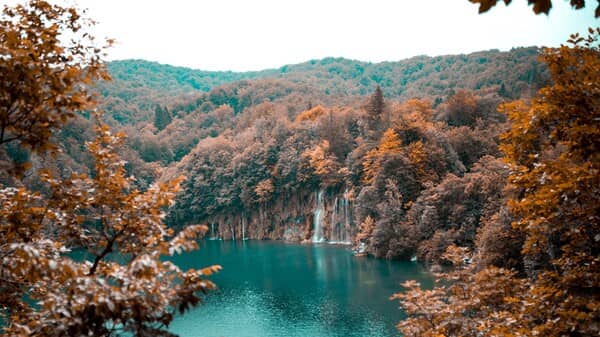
[(319, 216)]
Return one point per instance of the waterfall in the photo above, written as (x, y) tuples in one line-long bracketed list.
[(345, 228), (318, 218), (213, 235), (340, 223), (244, 228), (333, 225)]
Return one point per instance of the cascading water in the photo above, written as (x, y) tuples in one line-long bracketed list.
[(345, 226), (332, 221), (244, 228), (318, 218), (334, 225), (212, 231)]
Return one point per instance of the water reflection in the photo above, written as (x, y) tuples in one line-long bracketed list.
[(279, 289)]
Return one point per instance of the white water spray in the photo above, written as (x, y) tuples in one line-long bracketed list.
[(318, 218)]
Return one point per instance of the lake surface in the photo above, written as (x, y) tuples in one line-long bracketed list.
[(280, 289)]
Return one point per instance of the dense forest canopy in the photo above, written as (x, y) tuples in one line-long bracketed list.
[(485, 163), (257, 151), (139, 85), (140, 90)]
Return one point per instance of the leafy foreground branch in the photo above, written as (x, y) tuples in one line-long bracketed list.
[(48, 60), (554, 199), (126, 287)]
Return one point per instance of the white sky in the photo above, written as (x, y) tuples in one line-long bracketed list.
[(257, 34)]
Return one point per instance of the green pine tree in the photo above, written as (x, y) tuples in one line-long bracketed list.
[(375, 108), (162, 117)]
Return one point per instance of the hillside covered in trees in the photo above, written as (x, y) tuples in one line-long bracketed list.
[(138, 85), (310, 152), (304, 156), (484, 166)]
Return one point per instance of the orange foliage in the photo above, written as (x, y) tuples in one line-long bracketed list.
[(311, 114), (365, 231), (414, 110), (389, 144), (264, 190), (552, 151), (473, 303), (126, 285), (418, 157), (44, 81), (324, 164), (49, 293)]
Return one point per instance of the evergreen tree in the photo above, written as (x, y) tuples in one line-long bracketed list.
[(375, 108), (502, 92), (162, 117)]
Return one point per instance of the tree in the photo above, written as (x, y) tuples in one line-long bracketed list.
[(44, 78), (553, 156), (452, 211), (376, 104), (125, 286), (311, 114), (375, 108), (162, 117), (324, 164), (460, 109), (264, 190), (467, 302), (373, 160), (471, 144), (553, 152), (390, 237), (49, 293), (365, 232), (502, 92), (539, 6)]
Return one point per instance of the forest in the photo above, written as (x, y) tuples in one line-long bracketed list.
[(259, 149), (482, 166)]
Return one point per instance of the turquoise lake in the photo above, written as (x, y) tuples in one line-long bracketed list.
[(271, 288)]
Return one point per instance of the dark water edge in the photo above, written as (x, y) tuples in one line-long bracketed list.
[(271, 288)]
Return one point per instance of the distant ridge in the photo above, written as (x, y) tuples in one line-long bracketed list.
[(139, 85)]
